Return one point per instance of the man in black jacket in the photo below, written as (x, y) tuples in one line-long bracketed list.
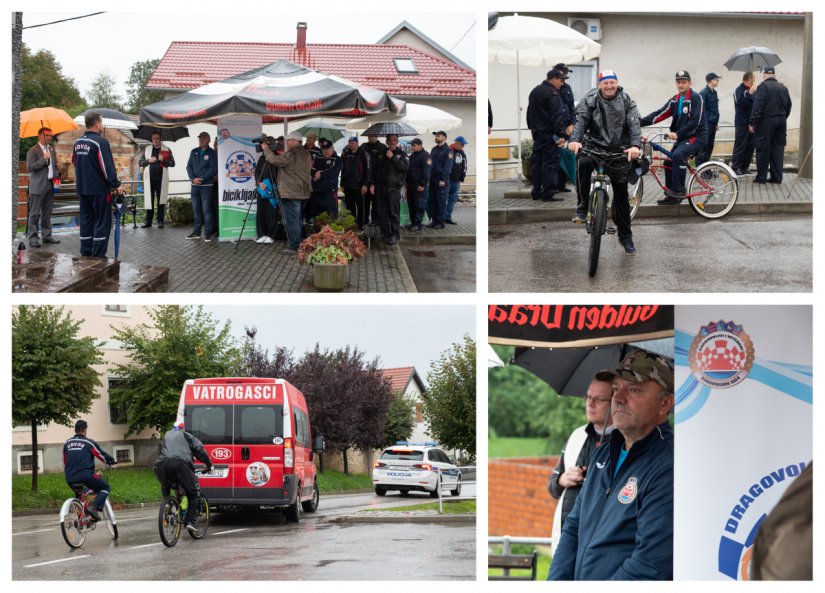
[(771, 108), (570, 107), (547, 122), (374, 148), (389, 179), (743, 144), (418, 178), (607, 119), (355, 179)]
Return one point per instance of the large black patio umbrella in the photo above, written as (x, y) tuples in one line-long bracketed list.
[(145, 132), (279, 92), (748, 59)]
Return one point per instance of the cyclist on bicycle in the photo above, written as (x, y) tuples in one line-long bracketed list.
[(79, 454), (607, 119), (689, 128), (175, 465)]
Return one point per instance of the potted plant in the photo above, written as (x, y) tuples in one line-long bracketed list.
[(526, 157), (329, 254), (345, 221)]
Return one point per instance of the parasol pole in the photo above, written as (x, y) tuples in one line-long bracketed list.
[(518, 115)]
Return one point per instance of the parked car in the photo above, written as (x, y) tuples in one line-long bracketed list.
[(415, 466)]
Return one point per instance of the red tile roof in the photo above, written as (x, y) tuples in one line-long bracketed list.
[(400, 377), (191, 64)]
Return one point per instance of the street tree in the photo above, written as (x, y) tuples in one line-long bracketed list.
[(182, 343), (53, 374), (450, 403), (136, 92), (44, 84), (103, 92), (400, 419), (259, 362), (347, 397)]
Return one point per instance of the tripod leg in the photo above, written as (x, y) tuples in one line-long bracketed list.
[(243, 226)]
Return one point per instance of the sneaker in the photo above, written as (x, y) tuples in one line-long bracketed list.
[(290, 251), (267, 240), (629, 248), (392, 240), (260, 239), (450, 221), (579, 219), (192, 527), (193, 236), (93, 513), (207, 239)]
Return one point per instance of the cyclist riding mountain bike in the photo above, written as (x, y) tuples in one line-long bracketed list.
[(688, 127), (79, 454), (607, 119), (174, 465)]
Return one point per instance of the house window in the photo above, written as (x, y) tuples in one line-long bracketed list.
[(116, 310), (25, 462), (124, 454), (117, 412), (419, 413), (405, 66)]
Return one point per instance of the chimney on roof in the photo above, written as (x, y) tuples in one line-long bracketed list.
[(301, 41)]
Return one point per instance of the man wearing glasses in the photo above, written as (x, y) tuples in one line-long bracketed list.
[(42, 167), (568, 477)]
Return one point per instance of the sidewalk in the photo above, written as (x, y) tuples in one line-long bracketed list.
[(510, 201)]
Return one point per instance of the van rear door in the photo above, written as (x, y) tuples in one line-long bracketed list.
[(258, 471), (213, 425)]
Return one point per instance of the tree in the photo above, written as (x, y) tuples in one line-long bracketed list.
[(102, 93), (258, 362), (400, 420), (450, 404), (53, 379), (43, 82), (136, 92), (182, 343), (347, 397)]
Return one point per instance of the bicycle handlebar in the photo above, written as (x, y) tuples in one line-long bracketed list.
[(600, 154)]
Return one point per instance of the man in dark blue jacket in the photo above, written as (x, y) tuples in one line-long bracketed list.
[(711, 100), (688, 127), (326, 169), (621, 527), (570, 107), (771, 108), (390, 170), (457, 175), (355, 179), (418, 179), (442, 158), (547, 120), (79, 454), (96, 181), (202, 168), (743, 144)]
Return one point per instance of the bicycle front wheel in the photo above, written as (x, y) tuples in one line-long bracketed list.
[(634, 195), (716, 192), (598, 225), (72, 525), (169, 521), (109, 518), (203, 518)]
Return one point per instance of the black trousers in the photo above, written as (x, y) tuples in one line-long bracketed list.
[(617, 172), (416, 202), (173, 470), (355, 202), (770, 148), (389, 210), (265, 218), (707, 151), (544, 165), (743, 147), (95, 224)]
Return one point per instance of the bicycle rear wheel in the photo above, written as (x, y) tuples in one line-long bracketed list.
[(109, 518), (634, 196), (719, 197), (203, 518), (598, 225), (169, 521), (72, 525)]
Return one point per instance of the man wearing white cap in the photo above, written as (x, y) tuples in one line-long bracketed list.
[(293, 183)]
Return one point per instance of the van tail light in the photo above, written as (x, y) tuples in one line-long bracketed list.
[(289, 457), (379, 464), (424, 466)]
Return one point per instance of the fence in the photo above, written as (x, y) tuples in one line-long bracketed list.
[(442, 486)]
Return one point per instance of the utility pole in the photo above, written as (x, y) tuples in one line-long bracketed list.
[(806, 120), (17, 75)]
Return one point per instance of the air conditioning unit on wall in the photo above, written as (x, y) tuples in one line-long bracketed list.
[(590, 27)]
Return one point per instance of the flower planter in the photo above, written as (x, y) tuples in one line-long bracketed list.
[(526, 168), (329, 277)]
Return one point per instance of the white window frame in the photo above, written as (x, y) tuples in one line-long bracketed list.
[(28, 452), (400, 70), (126, 313), (130, 448)]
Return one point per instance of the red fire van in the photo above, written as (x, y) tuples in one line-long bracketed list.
[(257, 433)]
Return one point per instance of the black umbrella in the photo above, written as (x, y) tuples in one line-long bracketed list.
[(391, 127), (112, 118), (748, 59), (145, 132)]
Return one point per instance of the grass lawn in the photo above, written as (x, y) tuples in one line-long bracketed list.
[(519, 447), (450, 507), (135, 485)]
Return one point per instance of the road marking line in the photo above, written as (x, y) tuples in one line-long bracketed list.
[(146, 545), (230, 531), (37, 531), (135, 519), (54, 561)]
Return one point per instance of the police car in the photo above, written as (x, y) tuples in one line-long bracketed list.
[(415, 466)]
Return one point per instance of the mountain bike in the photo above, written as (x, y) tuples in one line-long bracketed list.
[(173, 512), (598, 203), (712, 187), (76, 523)]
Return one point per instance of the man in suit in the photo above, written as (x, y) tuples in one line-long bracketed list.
[(41, 163)]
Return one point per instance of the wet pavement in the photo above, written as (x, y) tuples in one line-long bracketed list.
[(441, 268), (756, 253), (253, 546)]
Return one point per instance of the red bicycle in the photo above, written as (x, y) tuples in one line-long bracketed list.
[(75, 522), (712, 187)]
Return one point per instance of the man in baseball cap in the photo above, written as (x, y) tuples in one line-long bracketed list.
[(622, 525), (711, 100)]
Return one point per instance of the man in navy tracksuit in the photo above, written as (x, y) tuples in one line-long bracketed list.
[(202, 169), (418, 178), (96, 181), (711, 99), (326, 168), (442, 158), (621, 526), (79, 454), (743, 144), (688, 127), (771, 108)]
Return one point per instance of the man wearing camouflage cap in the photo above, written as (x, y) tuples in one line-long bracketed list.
[(621, 527)]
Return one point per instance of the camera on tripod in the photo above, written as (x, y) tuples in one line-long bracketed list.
[(264, 139)]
